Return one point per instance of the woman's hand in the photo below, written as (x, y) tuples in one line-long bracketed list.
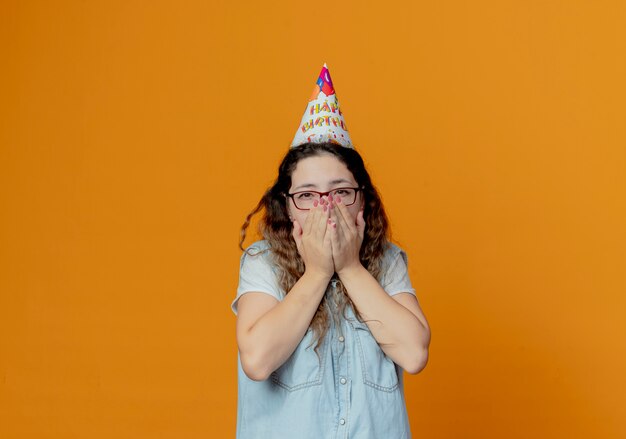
[(346, 235), (313, 240)]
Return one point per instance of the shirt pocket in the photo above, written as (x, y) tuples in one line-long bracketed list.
[(379, 371), (303, 368)]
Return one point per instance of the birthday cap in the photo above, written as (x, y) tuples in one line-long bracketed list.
[(323, 120)]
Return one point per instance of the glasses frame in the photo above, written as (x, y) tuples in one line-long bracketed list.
[(321, 194)]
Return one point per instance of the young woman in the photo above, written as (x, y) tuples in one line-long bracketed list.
[(327, 318)]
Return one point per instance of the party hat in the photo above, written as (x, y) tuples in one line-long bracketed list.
[(323, 120)]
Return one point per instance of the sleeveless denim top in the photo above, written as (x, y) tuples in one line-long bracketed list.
[(353, 390)]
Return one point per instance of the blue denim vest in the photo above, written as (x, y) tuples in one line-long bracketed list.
[(352, 390)]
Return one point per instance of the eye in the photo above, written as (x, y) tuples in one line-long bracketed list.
[(342, 192), (305, 195)]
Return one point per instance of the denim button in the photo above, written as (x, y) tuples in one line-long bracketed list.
[(343, 381), (342, 421), (341, 338)]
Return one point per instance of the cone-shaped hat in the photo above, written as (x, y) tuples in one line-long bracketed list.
[(323, 120)]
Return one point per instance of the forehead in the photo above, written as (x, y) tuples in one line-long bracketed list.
[(320, 171)]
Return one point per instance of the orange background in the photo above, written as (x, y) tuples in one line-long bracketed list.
[(135, 137)]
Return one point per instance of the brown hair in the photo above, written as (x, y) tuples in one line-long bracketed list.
[(276, 228)]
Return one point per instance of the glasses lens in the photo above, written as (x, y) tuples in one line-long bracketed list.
[(304, 200), (347, 195)]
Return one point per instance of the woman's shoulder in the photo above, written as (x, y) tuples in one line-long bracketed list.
[(394, 255), (258, 246), (258, 252), (393, 250), (394, 272), (257, 257)]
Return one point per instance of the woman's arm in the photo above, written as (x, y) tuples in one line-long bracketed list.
[(269, 331), (399, 326), (397, 322)]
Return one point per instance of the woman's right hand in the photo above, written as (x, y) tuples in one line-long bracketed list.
[(313, 240)]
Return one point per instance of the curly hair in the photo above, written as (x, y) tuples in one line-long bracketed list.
[(276, 228)]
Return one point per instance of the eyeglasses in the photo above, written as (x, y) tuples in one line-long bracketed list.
[(304, 200)]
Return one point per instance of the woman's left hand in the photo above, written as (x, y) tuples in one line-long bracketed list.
[(346, 236)]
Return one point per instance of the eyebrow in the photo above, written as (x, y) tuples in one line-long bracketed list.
[(332, 183)]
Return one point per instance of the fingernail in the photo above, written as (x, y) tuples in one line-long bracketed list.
[(337, 199), (315, 203)]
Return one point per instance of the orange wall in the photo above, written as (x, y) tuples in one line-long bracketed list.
[(135, 136)]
